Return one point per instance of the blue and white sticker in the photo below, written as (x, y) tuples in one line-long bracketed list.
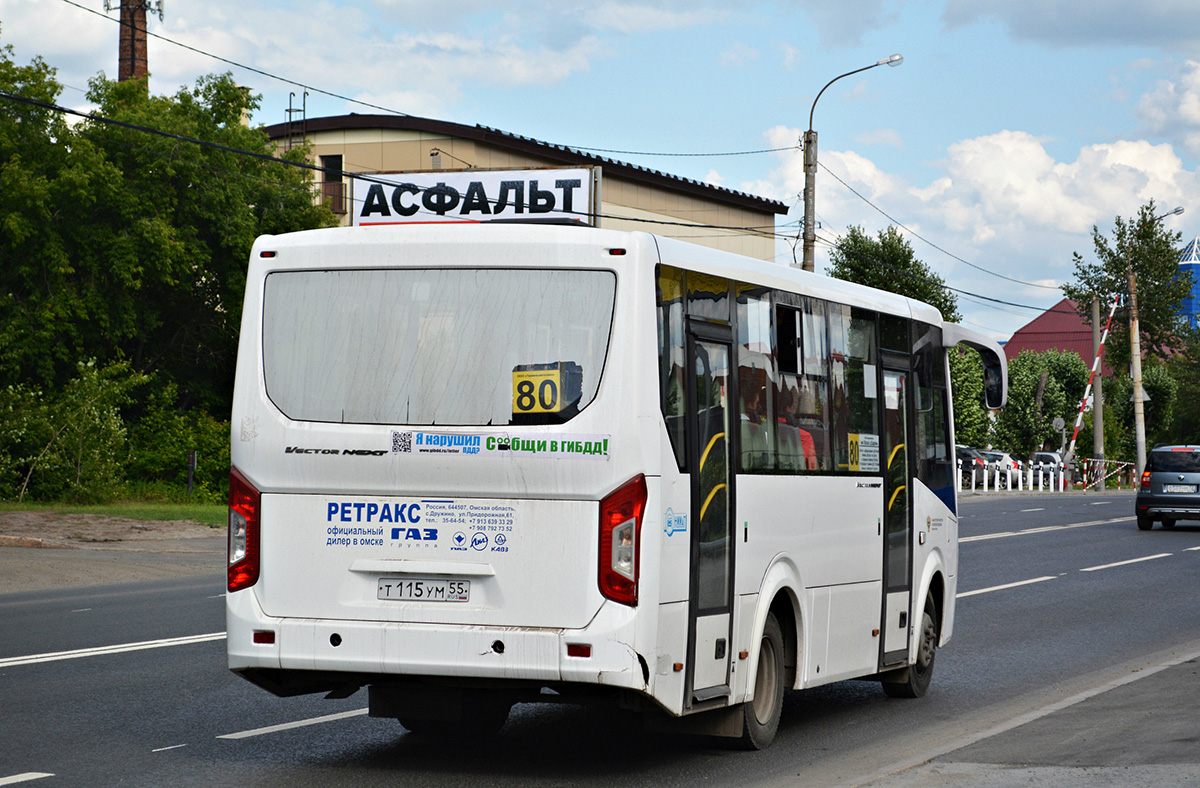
[(675, 523), (424, 524)]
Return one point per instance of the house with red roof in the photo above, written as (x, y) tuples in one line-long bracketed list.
[(1058, 328)]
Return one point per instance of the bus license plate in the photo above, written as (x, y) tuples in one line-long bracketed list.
[(1179, 488), (416, 589)]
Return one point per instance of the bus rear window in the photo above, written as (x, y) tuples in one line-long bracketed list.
[(471, 347)]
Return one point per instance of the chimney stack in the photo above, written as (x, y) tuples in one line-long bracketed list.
[(132, 60)]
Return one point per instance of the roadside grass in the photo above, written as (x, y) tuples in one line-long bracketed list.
[(213, 514)]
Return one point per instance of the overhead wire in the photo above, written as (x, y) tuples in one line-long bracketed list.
[(913, 233), (313, 89), (761, 230), (252, 69)]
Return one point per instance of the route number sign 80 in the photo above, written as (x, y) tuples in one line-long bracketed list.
[(537, 391)]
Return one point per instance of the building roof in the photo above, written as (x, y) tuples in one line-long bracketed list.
[(557, 154), (1058, 328), (1191, 252)]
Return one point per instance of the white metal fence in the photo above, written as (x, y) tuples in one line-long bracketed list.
[(1042, 477)]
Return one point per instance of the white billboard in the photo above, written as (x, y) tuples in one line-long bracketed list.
[(548, 195)]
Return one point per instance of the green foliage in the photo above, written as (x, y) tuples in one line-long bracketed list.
[(1026, 423), (888, 263), (128, 248), (1153, 253), (971, 423), (120, 243), (1185, 371), (164, 436), (70, 445)]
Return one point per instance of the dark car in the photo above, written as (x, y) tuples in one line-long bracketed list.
[(1169, 488), (974, 465)]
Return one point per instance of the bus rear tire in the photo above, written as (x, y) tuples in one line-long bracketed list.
[(913, 681), (760, 717)]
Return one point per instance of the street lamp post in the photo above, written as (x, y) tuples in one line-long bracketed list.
[(1135, 349), (810, 164)]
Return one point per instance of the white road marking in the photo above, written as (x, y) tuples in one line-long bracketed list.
[(103, 650), (1099, 503), (172, 747), (82, 610), (1125, 563), (1190, 549), (977, 736), (287, 726), (1001, 588), (23, 778), (1039, 509), (1043, 529)]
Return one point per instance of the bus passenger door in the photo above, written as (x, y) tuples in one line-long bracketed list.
[(710, 607), (897, 544)]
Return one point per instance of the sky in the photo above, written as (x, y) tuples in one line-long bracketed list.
[(1010, 130)]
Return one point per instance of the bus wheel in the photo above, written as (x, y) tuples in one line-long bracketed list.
[(913, 681), (760, 719)]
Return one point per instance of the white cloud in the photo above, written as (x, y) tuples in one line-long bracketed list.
[(889, 137), (646, 18), (845, 22), (737, 54), (1169, 24), (999, 201), (1172, 109)]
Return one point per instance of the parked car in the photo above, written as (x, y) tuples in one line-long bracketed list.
[(973, 464), (1168, 491), (1002, 461), (1049, 464)]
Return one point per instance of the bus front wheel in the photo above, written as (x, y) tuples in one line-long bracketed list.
[(761, 713), (913, 681)]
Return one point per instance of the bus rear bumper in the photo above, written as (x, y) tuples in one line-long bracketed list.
[(596, 654)]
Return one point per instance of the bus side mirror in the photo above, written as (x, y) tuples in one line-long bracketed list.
[(993, 386), (995, 364)]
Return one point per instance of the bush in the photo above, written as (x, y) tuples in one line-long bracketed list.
[(159, 446), (69, 445)]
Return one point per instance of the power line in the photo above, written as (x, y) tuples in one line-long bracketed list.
[(911, 275), (926, 240), (763, 231), (313, 89), (309, 88)]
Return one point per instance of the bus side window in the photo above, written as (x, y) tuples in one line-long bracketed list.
[(671, 357), (756, 381), (855, 407)]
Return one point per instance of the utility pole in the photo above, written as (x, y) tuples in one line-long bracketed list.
[(810, 165), (1097, 397), (1135, 347)]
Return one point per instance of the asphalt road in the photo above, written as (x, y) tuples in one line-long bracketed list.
[(1073, 663)]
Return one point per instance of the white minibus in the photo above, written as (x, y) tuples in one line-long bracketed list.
[(481, 465)]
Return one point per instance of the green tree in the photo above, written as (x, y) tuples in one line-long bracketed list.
[(1027, 423), (1161, 286), (122, 243), (971, 422), (1184, 369), (888, 263)]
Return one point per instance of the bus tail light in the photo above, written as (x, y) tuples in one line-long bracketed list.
[(620, 534), (243, 532)]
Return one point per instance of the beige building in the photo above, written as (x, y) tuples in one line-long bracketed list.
[(630, 197)]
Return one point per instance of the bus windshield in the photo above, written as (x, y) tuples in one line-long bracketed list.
[(450, 346)]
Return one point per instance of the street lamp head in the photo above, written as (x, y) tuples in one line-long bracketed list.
[(891, 60), (1176, 212)]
